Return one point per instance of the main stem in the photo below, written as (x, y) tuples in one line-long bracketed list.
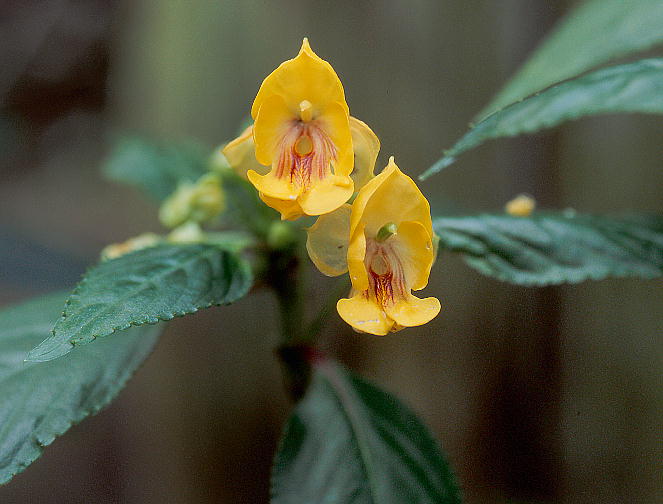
[(286, 280), (285, 277)]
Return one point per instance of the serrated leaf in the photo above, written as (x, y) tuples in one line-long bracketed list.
[(553, 248), (145, 287), (593, 33), (634, 87), (155, 168), (349, 442), (41, 401)]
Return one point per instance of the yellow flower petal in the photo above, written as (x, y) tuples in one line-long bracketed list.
[(364, 315), (366, 146), (304, 78), (275, 187), (356, 266), (392, 196), (327, 241), (289, 209), (270, 128), (413, 311), (241, 155), (326, 196), (414, 248), (335, 124)]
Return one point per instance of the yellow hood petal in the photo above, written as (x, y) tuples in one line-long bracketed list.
[(414, 248), (366, 147), (306, 77), (391, 196)]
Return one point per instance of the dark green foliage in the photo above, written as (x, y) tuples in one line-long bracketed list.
[(41, 401), (552, 248), (349, 442), (593, 33), (144, 287), (155, 168), (634, 87)]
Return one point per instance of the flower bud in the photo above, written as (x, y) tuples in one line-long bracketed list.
[(197, 202), (139, 242)]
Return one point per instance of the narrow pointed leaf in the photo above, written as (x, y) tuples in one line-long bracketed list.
[(553, 248), (592, 34), (42, 401), (145, 287), (349, 442), (155, 168), (634, 87)]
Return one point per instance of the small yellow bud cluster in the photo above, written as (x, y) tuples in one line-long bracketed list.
[(520, 206), (194, 202), (139, 242)]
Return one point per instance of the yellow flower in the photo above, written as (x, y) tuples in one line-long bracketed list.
[(387, 237), (304, 133)]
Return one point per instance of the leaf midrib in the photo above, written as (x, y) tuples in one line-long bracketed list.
[(347, 399)]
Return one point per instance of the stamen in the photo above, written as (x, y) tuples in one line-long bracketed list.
[(306, 110), (386, 232)]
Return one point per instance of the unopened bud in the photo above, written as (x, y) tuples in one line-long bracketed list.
[(198, 202), (281, 235), (139, 242), (187, 233), (520, 206)]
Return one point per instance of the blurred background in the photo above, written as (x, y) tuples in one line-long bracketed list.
[(549, 395)]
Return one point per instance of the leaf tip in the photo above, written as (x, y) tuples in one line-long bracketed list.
[(47, 350), (438, 166)]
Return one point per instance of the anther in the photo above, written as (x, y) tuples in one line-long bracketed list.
[(306, 110)]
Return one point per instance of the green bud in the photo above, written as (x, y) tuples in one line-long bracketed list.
[(187, 233), (199, 202), (139, 242), (281, 235), (218, 163)]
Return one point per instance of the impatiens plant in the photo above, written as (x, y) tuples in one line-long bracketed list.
[(300, 180)]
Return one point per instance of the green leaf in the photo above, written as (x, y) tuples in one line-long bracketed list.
[(155, 168), (41, 401), (144, 287), (552, 248), (349, 442), (594, 33), (634, 87)]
